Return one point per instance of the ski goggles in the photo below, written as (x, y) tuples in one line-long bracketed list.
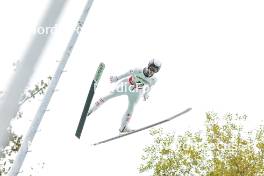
[(153, 69)]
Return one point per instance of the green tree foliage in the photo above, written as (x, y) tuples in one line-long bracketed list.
[(37, 90), (8, 154), (224, 148)]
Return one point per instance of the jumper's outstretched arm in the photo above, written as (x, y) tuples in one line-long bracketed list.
[(117, 78)]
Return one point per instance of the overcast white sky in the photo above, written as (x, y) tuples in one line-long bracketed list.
[(211, 51)]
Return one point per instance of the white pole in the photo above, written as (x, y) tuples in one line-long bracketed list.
[(9, 103), (34, 126)]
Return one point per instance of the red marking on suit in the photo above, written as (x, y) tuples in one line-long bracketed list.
[(132, 82), (99, 102), (128, 117)]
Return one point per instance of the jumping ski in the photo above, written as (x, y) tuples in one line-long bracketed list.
[(143, 128), (94, 85)]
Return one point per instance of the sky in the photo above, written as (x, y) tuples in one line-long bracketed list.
[(211, 53)]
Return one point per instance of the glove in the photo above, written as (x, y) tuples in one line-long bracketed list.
[(113, 79), (146, 96)]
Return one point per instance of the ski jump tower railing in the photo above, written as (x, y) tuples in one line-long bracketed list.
[(43, 106)]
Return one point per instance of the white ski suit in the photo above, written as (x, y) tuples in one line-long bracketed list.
[(133, 84)]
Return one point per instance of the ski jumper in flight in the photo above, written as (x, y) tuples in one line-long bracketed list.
[(134, 84)]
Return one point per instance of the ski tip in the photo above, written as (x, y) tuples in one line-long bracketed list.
[(102, 65), (188, 109), (99, 71)]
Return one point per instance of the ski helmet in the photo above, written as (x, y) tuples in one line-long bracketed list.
[(155, 63)]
